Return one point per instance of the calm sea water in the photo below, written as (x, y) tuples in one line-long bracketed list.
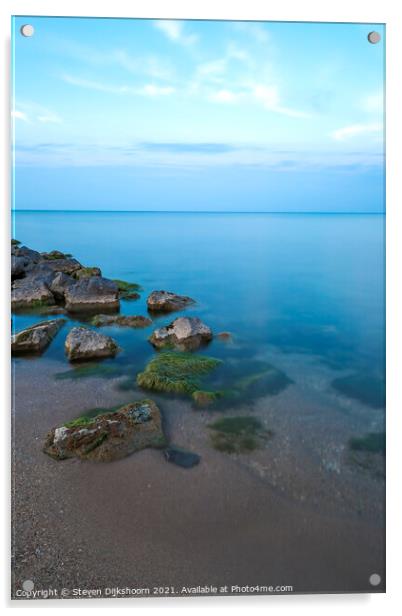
[(310, 285)]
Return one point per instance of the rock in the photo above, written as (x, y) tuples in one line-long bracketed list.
[(182, 458), (59, 283), (127, 290), (30, 255), (184, 333), (54, 254), (102, 320), (165, 301), (84, 343), (109, 435), (36, 338), (129, 295), (92, 294), (30, 293), (51, 310), (17, 267), (224, 336), (67, 266), (176, 373), (87, 272)]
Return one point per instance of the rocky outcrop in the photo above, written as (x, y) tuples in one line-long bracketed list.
[(83, 343), (67, 266), (36, 338), (91, 294), (165, 301), (184, 333), (135, 321), (110, 435)]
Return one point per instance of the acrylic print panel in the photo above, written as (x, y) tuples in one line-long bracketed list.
[(198, 308)]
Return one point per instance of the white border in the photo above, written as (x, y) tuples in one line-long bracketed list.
[(378, 11)]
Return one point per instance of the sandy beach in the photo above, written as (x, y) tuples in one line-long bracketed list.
[(294, 512)]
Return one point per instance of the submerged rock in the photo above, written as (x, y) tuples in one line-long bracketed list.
[(36, 338), (136, 321), (240, 434), (165, 301), (177, 373), (92, 294), (184, 333), (225, 336), (83, 343), (108, 435), (182, 458)]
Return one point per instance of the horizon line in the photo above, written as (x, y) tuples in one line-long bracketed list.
[(308, 212)]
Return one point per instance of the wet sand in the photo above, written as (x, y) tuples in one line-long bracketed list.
[(295, 512)]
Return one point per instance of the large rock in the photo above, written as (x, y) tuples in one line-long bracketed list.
[(30, 293), (36, 338), (136, 321), (165, 301), (84, 343), (91, 294), (184, 333), (110, 435)]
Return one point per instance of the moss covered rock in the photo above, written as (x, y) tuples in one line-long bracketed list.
[(179, 373), (106, 435), (36, 338)]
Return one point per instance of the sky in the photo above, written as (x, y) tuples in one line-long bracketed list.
[(123, 114)]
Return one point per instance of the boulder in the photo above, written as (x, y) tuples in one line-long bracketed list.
[(92, 294), (184, 333), (84, 343), (30, 255), (36, 338), (165, 301), (109, 435), (30, 293), (136, 321)]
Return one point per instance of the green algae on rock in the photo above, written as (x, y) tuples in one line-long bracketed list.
[(179, 373), (88, 370), (241, 434), (367, 388), (373, 442), (128, 290), (206, 398), (135, 321), (108, 435)]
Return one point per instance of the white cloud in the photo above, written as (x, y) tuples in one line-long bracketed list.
[(146, 90), (224, 96), (348, 132), (269, 97), (174, 30), (19, 115), (254, 30), (153, 90)]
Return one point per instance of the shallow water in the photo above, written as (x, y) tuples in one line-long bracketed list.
[(309, 284)]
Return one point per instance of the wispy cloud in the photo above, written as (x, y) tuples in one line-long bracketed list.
[(373, 103), (348, 132), (175, 31), (148, 89), (19, 115), (32, 112)]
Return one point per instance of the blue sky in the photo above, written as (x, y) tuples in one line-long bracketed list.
[(181, 115)]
